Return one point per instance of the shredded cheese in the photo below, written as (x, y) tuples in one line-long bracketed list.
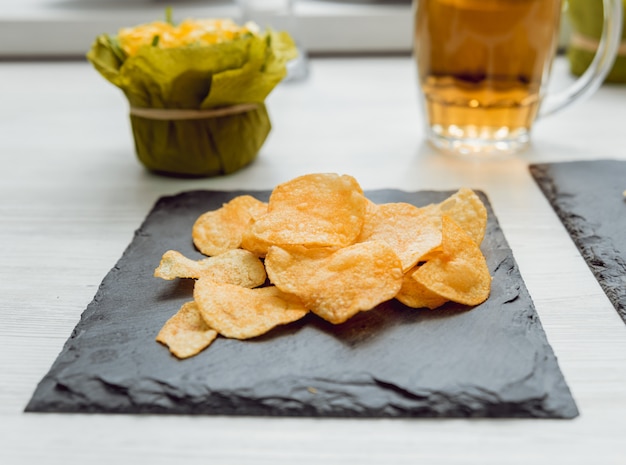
[(188, 32)]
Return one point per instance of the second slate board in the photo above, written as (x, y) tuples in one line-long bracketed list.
[(393, 361), (588, 198)]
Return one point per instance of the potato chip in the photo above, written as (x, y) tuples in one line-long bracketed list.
[(410, 231), (337, 283), (235, 266), (467, 210), (316, 210), (240, 313), (254, 244), (186, 333), (327, 249), (459, 272), (416, 295), (217, 231)]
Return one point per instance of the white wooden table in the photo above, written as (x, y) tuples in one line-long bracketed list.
[(72, 194)]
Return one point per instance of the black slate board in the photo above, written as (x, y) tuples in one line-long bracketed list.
[(588, 198), (489, 361)]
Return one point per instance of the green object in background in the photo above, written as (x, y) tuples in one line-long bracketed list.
[(586, 18), (241, 71)]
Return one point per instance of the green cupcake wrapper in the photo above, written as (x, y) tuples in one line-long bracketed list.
[(581, 59), (201, 81), (212, 146), (586, 19)]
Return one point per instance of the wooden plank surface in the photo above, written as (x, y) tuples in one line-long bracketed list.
[(72, 194)]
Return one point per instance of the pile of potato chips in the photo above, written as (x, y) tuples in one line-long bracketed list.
[(319, 245)]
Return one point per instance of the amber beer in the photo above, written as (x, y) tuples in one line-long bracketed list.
[(483, 66)]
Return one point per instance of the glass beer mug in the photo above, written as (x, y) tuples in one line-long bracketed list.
[(483, 68)]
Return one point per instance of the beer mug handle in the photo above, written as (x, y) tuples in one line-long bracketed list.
[(602, 62)]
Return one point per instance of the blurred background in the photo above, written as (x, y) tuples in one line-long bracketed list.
[(66, 28)]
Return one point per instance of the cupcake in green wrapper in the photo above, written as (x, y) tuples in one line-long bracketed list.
[(196, 90), (586, 18)]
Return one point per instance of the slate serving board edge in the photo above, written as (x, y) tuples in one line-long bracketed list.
[(606, 263)]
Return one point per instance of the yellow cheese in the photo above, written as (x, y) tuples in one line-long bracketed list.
[(188, 32)]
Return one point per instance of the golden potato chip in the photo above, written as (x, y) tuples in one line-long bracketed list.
[(327, 249), (467, 210), (410, 231), (236, 266), (240, 313), (254, 244), (416, 295), (217, 231), (186, 333), (459, 272), (316, 210), (337, 283)]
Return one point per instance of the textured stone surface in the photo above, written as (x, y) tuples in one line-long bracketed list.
[(588, 198), (489, 361)]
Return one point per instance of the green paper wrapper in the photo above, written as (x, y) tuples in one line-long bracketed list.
[(199, 78), (586, 19)]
